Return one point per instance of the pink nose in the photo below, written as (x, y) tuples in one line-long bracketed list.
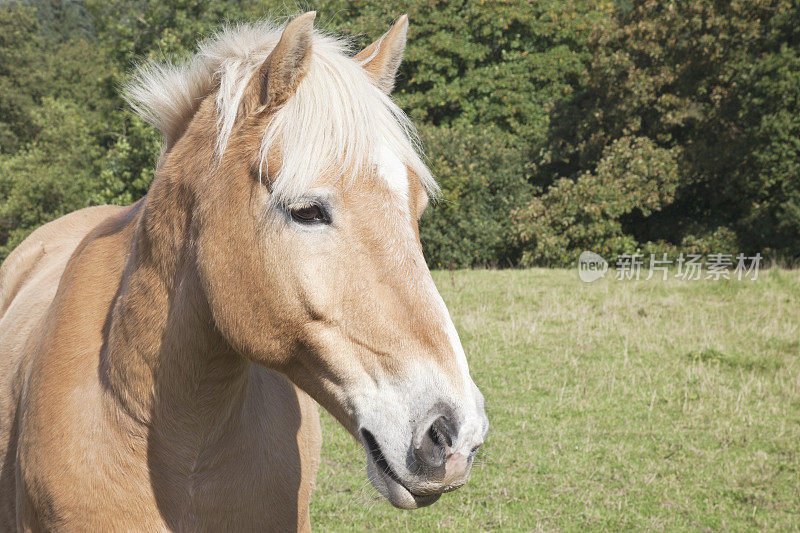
[(441, 451), (456, 468)]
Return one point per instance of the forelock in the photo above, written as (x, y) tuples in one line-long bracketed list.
[(337, 120)]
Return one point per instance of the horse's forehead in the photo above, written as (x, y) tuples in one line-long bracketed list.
[(392, 170), (386, 182)]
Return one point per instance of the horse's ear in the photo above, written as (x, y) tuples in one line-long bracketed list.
[(382, 58), (280, 74)]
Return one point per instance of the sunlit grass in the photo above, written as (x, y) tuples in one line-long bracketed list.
[(648, 405)]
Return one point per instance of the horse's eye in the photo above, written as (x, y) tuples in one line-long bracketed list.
[(310, 214)]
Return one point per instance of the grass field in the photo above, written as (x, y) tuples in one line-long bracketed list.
[(613, 405)]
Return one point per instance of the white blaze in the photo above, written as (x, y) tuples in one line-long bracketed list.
[(393, 170)]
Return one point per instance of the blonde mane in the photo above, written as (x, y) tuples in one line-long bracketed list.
[(337, 119)]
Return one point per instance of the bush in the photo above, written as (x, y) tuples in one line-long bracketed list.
[(769, 176), (716, 84), (482, 175), (584, 214), (50, 177)]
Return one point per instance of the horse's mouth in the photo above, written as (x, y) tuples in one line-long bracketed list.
[(396, 491)]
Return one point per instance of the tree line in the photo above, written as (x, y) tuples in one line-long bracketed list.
[(553, 126)]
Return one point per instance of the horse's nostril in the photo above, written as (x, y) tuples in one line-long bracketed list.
[(438, 435), (436, 444), (442, 432), (434, 436)]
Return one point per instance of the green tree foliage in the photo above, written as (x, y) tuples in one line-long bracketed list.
[(63, 117), (62, 20), (135, 30), (481, 171), (50, 177), (715, 83), (769, 173), (553, 126), (585, 214), (21, 52)]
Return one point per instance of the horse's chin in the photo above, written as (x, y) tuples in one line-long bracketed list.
[(394, 491)]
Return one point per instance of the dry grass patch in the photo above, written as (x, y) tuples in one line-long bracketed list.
[(648, 405)]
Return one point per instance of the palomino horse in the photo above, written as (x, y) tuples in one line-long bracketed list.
[(159, 360)]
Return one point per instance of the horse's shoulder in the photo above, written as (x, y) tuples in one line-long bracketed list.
[(29, 279), (48, 248)]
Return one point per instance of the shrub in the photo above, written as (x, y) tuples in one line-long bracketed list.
[(482, 175), (584, 214), (50, 177)]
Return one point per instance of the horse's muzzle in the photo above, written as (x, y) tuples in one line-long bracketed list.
[(443, 450)]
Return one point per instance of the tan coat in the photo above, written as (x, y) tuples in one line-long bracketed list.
[(72, 459), (156, 360)]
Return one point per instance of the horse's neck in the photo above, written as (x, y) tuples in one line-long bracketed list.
[(166, 366)]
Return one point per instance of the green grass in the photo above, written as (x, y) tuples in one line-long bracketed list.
[(613, 405)]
